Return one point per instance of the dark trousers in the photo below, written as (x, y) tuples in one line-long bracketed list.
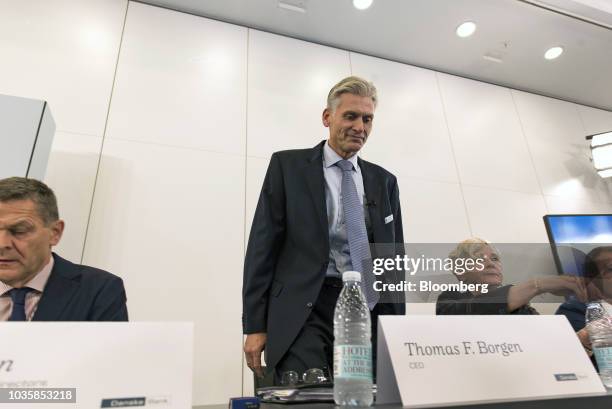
[(314, 345)]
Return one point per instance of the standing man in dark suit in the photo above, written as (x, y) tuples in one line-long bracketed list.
[(36, 284), (305, 234)]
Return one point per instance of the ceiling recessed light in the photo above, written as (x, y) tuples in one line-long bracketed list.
[(493, 58), (553, 53), (362, 4), (466, 29), (293, 5)]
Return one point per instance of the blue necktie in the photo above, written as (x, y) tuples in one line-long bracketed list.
[(18, 296), (357, 233)]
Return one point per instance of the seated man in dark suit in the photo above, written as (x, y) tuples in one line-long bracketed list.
[(36, 284), (598, 278)]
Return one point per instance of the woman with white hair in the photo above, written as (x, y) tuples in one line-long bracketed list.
[(499, 298)]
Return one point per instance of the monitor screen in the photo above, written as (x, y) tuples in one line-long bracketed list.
[(572, 236)]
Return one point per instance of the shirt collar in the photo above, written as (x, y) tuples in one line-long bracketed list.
[(37, 282), (330, 157)]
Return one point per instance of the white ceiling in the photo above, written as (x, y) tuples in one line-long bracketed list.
[(422, 33)]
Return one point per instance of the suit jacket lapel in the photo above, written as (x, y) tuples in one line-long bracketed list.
[(58, 292), (315, 179)]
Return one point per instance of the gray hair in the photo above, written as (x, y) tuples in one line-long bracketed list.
[(469, 247), (351, 85), (18, 188)]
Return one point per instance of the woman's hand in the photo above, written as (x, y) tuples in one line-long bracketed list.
[(562, 286), (522, 293)]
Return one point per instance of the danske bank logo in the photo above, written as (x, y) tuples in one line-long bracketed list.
[(566, 377)]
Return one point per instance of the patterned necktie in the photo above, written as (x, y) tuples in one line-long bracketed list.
[(357, 233), (18, 296)]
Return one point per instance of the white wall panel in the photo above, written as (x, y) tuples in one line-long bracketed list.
[(409, 137), (288, 85), (561, 205), (169, 205), (71, 173), (595, 120), (170, 222), (181, 81), (64, 52), (606, 194), (503, 216), (560, 153), (432, 212), (489, 146)]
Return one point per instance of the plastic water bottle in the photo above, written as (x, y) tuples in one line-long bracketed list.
[(352, 345), (599, 327)]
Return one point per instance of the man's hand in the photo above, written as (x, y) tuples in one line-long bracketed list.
[(583, 336), (593, 292), (253, 347)]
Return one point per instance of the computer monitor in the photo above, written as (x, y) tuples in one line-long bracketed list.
[(572, 236)]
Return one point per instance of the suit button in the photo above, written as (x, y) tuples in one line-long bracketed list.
[(309, 305)]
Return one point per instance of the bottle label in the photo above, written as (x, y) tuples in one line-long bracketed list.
[(353, 362), (603, 356)]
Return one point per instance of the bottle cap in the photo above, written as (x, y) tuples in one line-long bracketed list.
[(351, 276)]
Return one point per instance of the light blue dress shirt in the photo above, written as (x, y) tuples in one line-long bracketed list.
[(339, 254)]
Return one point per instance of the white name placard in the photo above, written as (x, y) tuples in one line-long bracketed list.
[(111, 364), (426, 361)]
